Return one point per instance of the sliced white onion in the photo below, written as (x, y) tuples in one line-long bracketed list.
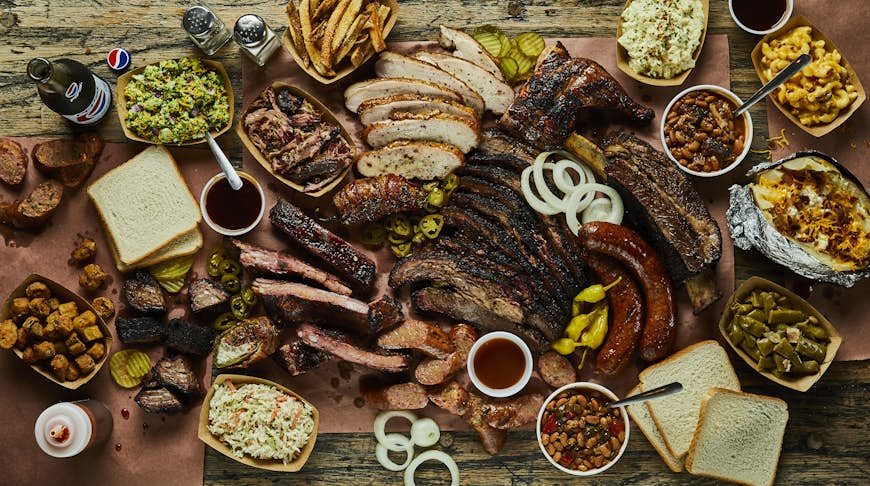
[(394, 440), (433, 456), (381, 422), (531, 198), (541, 186), (598, 210), (575, 205), (564, 181), (425, 432)]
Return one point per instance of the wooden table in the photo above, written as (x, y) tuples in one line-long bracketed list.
[(828, 438)]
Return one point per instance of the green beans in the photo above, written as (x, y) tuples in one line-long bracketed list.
[(781, 339)]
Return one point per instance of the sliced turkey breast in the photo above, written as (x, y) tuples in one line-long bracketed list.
[(438, 127), (411, 160), (380, 109), (468, 48), (395, 65), (497, 95), (357, 93)]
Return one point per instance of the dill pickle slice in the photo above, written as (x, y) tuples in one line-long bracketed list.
[(172, 269), (119, 366), (508, 67), (530, 44), (490, 42), (138, 364), (524, 63), (172, 286)]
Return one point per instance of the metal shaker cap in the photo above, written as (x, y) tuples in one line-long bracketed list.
[(250, 30), (198, 20)]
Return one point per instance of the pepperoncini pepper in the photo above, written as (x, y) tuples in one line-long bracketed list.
[(594, 335), (576, 326), (594, 293), (564, 346)]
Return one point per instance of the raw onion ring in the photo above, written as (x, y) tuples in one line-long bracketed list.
[(433, 456), (398, 440), (381, 421), (533, 200), (541, 186), (425, 432), (564, 181), (598, 210)]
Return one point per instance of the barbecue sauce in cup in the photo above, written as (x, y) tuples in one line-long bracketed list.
[(232, 212), (500, 364)]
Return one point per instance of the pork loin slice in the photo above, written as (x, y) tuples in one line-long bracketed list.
[(438, 127), (393, 65), (423, 336), (380, 109), (340, 345), (383, 87), (411, 160), (497, 95), (468, 48)]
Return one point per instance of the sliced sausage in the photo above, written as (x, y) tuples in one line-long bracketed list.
[(399, 396), (35, 209), (435, 371), (556, 370), (13, 162), (419, 335), (513, 413)]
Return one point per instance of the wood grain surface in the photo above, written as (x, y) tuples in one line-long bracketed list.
[(828, 438)]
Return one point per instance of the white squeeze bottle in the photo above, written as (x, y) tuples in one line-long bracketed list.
[(68, 428)]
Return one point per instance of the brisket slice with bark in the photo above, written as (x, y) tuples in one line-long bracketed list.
[(342, 346), (349, 262), (461, 307), (291, 302), (664, 204)]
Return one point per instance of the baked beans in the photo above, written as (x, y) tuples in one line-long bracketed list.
[(702, 133), (579, 432)]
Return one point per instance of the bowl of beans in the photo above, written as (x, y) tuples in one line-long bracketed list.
[(700, 133), (576, 431)]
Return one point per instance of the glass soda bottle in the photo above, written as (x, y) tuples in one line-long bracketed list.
[(69, 88)]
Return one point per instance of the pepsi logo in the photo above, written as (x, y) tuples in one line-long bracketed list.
[(118, 59), (72, 92)]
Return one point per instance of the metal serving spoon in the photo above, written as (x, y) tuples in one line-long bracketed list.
[(774, 83), (232, 177), (659, 392)]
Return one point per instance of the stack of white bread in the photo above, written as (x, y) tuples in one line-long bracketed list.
[(711, 428), (147, 210)]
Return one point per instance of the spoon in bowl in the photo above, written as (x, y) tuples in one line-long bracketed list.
[(783, 76), (659, 392), (232, 177)]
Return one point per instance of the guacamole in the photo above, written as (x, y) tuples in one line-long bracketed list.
[(176, 101)]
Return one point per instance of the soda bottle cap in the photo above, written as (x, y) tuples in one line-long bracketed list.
[(118, 59)]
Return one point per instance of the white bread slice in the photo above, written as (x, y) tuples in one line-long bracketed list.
[(187, 244), (144, 204), (395, 65), (432, 127), (739, 437), (467, 47), (699, 367), (640, 416), (411, 160), (497, 95)]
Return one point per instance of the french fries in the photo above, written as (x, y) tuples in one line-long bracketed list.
[(326, 32)]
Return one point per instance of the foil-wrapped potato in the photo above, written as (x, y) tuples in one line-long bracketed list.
[(808, 213)]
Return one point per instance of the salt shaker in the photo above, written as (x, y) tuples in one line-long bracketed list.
[(205, 29), (255, 38)]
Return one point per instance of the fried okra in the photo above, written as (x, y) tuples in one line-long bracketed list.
[(84, 252), (104, 307), (92, 277), (8, 334), (38, 289)]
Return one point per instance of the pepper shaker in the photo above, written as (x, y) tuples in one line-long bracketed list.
[(205, 29), (255, 38)]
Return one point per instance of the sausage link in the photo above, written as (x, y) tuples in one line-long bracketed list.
[(628, 248), (627, 311)]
